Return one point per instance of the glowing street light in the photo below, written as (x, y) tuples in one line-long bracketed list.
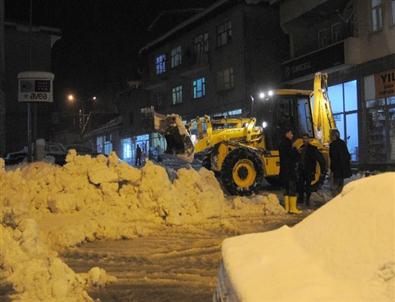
[(261, 95), (71, 98), (270, 92)]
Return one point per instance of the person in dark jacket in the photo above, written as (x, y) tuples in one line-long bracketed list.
[(288, 160), (309, 157), (138, 155), (340, 162)]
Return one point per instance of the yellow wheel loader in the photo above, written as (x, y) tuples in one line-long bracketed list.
[(244, 151)]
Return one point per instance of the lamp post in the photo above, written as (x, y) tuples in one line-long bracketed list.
[(81, 110)]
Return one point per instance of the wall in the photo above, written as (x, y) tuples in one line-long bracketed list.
[(370, 45), (230, 55), (16, 52), (2, 80)]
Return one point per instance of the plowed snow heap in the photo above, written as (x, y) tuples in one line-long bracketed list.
[(45, 208), (343, 252)]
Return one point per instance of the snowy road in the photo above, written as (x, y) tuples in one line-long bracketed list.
[(176, 264)]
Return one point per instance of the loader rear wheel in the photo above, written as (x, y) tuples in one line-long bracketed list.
[(242, 172), (320, 173)]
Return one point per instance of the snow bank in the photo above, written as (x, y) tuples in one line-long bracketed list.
[(343, 252), (100, 198)]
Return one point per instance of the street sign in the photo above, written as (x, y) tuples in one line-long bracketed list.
[(35, 87)]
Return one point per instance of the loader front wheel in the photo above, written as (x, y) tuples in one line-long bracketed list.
[(242, 172)]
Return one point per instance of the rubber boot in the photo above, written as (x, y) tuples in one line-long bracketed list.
[(292, 205), (286, 203)]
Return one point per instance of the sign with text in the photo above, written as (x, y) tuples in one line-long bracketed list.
[(385, 84), (35, 87)]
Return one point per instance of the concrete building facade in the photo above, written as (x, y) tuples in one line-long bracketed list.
[(354, 42), (210, 64), (17, 59), (2, 81)]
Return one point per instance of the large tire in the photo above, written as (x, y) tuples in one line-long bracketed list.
[(320, 173), (242, 172)]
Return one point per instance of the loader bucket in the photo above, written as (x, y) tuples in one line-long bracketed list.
[(177, 137)]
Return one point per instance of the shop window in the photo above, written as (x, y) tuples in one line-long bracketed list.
[(336, 98), (100, 144), (160, 64), (176, 57), (107, 144), (199, 88), (225, 79), (350, 96), (344, 103), (381, 129), (377, 15), (126, 149), (224, 33), (176, 95)]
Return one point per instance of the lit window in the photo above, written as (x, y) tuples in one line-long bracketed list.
[(199, 88), (160, 64), (100, 144), (176, 95), (200, 45), (107, 144), (225, 79), (344, 103), (127, 149), (176, 56), (377, 15), (224, 33)]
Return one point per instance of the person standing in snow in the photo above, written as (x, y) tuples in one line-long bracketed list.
[(340, 162), (138, 156), (309, 157), (288, 160)]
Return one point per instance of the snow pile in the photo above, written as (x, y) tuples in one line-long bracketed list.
[(343, 252), (44, 207), (33, 270)]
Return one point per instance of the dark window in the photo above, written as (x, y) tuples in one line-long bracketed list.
[(323, 38), (200, 45), (225, 79), (131, 118), (176, 95), (224, 33), (377, 14), (176, 56)]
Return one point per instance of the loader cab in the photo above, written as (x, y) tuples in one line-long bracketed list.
[(284, 108)]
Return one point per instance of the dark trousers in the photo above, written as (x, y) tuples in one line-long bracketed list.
[(304, 187), (290, 188), (337, 186), (138, 161)]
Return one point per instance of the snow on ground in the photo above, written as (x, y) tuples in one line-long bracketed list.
[(46, 208), (345, 251)]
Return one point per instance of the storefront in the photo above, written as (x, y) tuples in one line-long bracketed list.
[(379, 98)]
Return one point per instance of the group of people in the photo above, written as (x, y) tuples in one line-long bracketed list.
[(154, 154), (298, 168)]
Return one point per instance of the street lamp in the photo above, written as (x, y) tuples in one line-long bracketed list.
[(71, 98)]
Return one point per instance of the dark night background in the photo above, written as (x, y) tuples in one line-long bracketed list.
[(100, 39)]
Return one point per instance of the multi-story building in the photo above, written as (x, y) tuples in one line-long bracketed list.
[(2, 80), (354, 42), (212, 63), (17, 59)]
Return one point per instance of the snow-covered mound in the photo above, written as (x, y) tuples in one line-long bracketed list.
[(343, 252), (44, 207)]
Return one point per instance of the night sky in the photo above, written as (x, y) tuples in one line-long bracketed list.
[(98, 49)]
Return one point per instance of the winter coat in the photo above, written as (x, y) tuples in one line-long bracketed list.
[(340, 159), (308, 160), (288, 160)]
